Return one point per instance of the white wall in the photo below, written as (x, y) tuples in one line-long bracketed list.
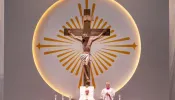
[(1, 47)]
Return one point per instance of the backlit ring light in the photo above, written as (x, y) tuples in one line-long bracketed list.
[(48, 11)]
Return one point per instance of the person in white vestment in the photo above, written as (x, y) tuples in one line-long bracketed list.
[(107, 93), (86, 96)]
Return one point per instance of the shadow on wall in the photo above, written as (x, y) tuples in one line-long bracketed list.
[(1, 49), (172, 48), (1, 87)]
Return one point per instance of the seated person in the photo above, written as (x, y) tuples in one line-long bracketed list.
[(87, 93)]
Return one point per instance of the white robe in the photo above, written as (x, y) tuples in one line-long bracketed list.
[(85, 97), (110, 91)]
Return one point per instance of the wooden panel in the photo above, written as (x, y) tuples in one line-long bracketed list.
[(94, 32), (76, 32), (87, 11)]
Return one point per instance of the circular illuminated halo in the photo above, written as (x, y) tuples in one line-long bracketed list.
[(48, 11)]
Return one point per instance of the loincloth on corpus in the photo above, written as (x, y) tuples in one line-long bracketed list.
[(85, 57)]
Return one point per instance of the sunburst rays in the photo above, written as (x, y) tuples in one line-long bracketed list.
[(39, 46), (78, 22), (73, 23), (80, 9), (55, 40), (95, 21), (125, 45), (54, 51), (69, 56), (93, 9), (87, 4)]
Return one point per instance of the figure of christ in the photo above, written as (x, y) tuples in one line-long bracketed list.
[(86, 36), (86, 55)]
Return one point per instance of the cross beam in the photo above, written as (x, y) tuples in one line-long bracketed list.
[(93, 32)]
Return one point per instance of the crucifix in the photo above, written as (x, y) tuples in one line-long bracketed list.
[(86, 36)]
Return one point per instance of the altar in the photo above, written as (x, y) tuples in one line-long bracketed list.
[(83, 92)]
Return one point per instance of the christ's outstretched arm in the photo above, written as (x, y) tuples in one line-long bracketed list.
[(97, 37), (75, 37)]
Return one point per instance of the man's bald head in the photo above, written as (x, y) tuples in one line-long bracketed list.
[(87, 92), (108, 85)]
